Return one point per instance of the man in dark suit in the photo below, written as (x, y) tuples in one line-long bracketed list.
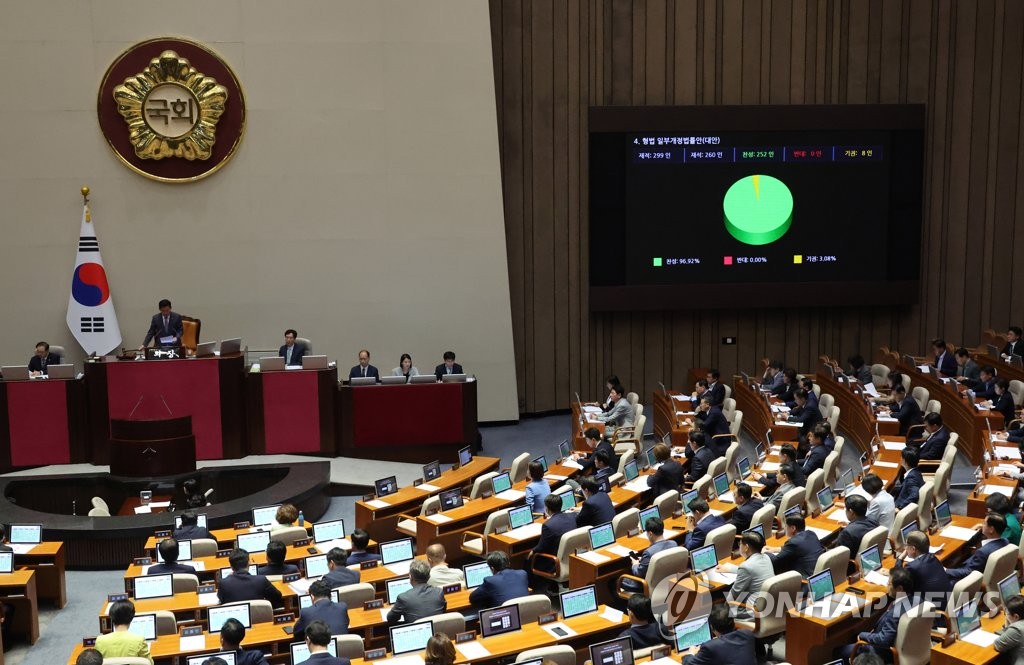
[(603, 469), (592, 437), (930, 578), (668, 476), (728, 645), (502, 584), (986, 387), (879, 640), (801, 551), (364, 368), (905, 409), (936, 437), (240, 585), (702, 522), (168, 549), (804, 414), (1014, 343), (815, 458), (784, 391), (643, 630), (292, 351), (967, 371), (714, 423), (190, 529), (449, 366), (231, 635), (859, 524), (337, 574), (557, 524), (165, 326), (597, 506), (859, 369), (992, 540), (716, 391), (360, 541), (276, 551), (944, 362), (1003, 402), (654, 528), (701, 459), (912, 479), (318, 636), (42, 359), (746, 506), (787, 456), (335, 615), (421, 601)]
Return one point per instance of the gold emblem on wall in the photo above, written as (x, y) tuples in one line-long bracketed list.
[(171, 109)]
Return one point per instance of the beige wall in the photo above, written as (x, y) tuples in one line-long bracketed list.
[(363, 207)]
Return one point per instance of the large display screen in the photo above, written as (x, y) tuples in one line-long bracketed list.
[(764, 206)]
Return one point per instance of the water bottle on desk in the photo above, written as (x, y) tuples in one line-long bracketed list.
[(302, 519)]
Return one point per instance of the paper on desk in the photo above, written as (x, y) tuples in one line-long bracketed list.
[(1007, 452), (571, 463), (820, 533), (958, 533), (726, 497), (531, 530), (554, 476), (681, 398), (981, 407), (400, 567), (160, 504), (415, 659), (887, 465), (669, 534), (207, 599), (300, 586), (473, 650), (139, 510), (716, 512), (885, 419), (935, 549), (997, 436), (837, 515), (198, 565), (770, 466), (564, 629), (192, 643), (780, 408), (997, 489), (877, 578), (427, 487), (377, 503), (612, 614), (594, 557), (1004, 468), (327, 546), (894, 445), (384, 613), (786, 423), (618, 550), (981, 638), (667, 660), (638, 485), (21, 548), (510, 495), (925, 369), (591, 409), (438, 518), (686, 413), (870, 389)]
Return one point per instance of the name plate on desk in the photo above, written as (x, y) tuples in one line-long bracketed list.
[(581, 550), (369, 497), (374, 604), (366, 565), (632, 533), (206, 588), (548, 617), (486, 494), (417, 482), (375, 654), (283, 618), (302, 542), (660, 652), (242, 525), (291, 577), (504, 528), (467, 636), (88, 642), (116, 597), (142, 560), (223, 554), (162, 534), (451, 588), (191, 631)]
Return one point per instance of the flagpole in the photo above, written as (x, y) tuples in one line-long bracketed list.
[(85, 194)]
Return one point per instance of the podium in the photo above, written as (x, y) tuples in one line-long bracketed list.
[(151, 448)]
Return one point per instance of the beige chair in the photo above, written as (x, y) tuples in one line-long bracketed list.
[(638, 410), (904, 516), (449, 623), (625, 447), (624, 460), (831, 469), (965, 589), (717, 466), (556, 567), (202, 547), (794, 497), (920, 395), (99, 503), (728, 390), (940, 483), (289, 535), (667, 503), (732, 455), (1000, 563), (876, 536), (879, 375), (722, 538), (483, 482), (736, 425), (837, 560), (934, 406), (561, 654), (166, 623), (476, 543), (925, 503), (663, 564), (58, 351), (1017, 390), (833, 418), (99, 512), (825, 404), (727, 437), (631, 434), (530, 607), (184, 583), (778, 591), (354, 595), (930, 467), (815, 483), (632, 398), (1020, 553), (840, 444), (913, 638), (260, 611), (625, 522), (729, 408), (407, 522), (350, 646), (764, 516), (520, 468), (703, 486)]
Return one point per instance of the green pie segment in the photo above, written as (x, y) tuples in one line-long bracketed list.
[(758, 209)]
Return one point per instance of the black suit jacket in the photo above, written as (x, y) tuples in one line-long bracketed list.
[(945, 364), (357, 371), (250, 657), (909, 489), (35, 363), (908, 413), (647, 635), (986, 389), (714, 424), (743, 514), (170, 569), (442, 369), (1013, 348), (1005, 406), (800, 553), (503, 585), (977, 560), (193, 532), (341, 576), (717, 393), (735, 648), (699, 463), (333, 614), (669, 476), (587, 464), (597, 509), (278, 569), (552, 530), (241, 585), (157, 329), (808, 416), (298, 350), (929, 576), (815, 459), (852, 534), (325, 658), (933, 447)]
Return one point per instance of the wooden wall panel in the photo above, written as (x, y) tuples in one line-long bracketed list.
[(554, 58)]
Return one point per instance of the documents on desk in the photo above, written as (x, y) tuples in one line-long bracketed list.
[(877, 578), (21, 548), (531, 530), (637, 485), (958, 533), (770, 466), (820, 533), (981, 638), (1006, 452), (427, 487), (594, 557), (886, 419), (511, 495), (327, 546), (192, 643), (999, 468), (399, 568), (612, 614), (619, 550), (415, 659), (681, 398), (870, 389), (207, 599), (719, 577), (140, 510), (997, 489), (301, 585), (591, 409), (473, 650), (377, 503), (894, 445), (887, 465), (571, 463), (555, 477), (780, 408), (438, 518)]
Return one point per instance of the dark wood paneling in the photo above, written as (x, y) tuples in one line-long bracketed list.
[(553, 58)]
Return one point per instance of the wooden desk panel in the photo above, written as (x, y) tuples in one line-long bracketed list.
[(20, 589), (964, 653), (48, 560), (810, 640), (957, 414)]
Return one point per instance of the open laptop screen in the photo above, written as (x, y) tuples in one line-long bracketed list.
[(578, 601), (397, 587), (253, 542), (154, 586), (613, 652), (264, 515), (327, 531), (601, 536), (28, 534), (410, 637), (821, 585), (704, 558), (220, 613), (646, 514), (144, 625), (499, 620), (692, 632), (520, 516), (475, 573), (396, 550), (450, 499)]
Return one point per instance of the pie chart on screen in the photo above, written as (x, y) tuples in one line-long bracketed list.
[(758, 209)]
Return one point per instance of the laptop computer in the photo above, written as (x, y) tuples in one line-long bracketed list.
[(300, 652), (15, 372), (966, 619), (6, 562), (501, 483), (423, 378), (870, 559), (687, 498), (253, 542), (613, 652), (646, 514), (543, 461), (200, 521), (601, 536), (520, 517), (271, 364), (397, 587), (630, 471), (757, 528), (743, 468), (475, 573), (315, 566), (30, 534), (360, 380), (649, 456), (943, 515), (431, 471), (453, 378), (61, 371), (184, 551), (1009, 587), (205, 349), (691, 633), (406, 638), (568, 499), (465, 456), (823, 597), (264, 515), (499, 620), (578, 601), (314, 362), (327, 531), (564, 449), (721, 483), (153, 586), (397, 555), (229, 346), (144, 625), (451, 499), (218, 614), (386, 486), (393, 380), (825, 498), (908, 529)]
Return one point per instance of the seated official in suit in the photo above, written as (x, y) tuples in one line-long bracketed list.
[(859, 369), (621, 415), (728, 645), (654, 529), (904, 409), (701, 459), (120, 643), (166, 327), (782, 477), (1014, 343), (702, 522), (858, 523), (337, 574), (991, 533), (405, 367), (714, 424), (318, 637), (746, 506), (936, 436), (770, 481), (1011, 639), (910, 486), (668, 476), (773, 376), (240, 585), (881, 507), (275, 565), (751, 574), (421, 601), (944, 362), (1003, 403), (335, 615), (592, 437), (38, 363), (190, 529), (784, 391), (930, 578), (557, 524), (967, 371), (800, 551), (292, 351), (700, 389), (364, 368), (168, 548), (284, 518), (815, 458), (609, 383), (986, 386), (537, 489), (502, 584), (597, 506), (643, 630), (440, 574), (716, 391), (804, 413), (360, 541), (231, 635), (194, 495), (449, 366), (883, 636), (602, 470)]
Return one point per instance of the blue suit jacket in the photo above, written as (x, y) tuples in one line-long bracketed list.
[(170, 569), (325, 658), (669, 476), (358, 371), (743, 514), (699, 463), (946, 363), (933, 447), (908, 413), (929, 576), (701, 530), (815, 459), (807, 416), (298, 350), (250, 657), (596, 510), (977, 560), (157, 330), (714, 422), (884, 634), (333, 614), (641, 566), (854, 532), (735, 648), (716, 393), (243, 586), (359, 557), (552, 530), (35, 363), (341, 576), (800, 553), (986, 389), (496, 589), (647, 635), (909, 489)]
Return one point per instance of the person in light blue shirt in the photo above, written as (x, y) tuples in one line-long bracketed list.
[(537, 489)]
